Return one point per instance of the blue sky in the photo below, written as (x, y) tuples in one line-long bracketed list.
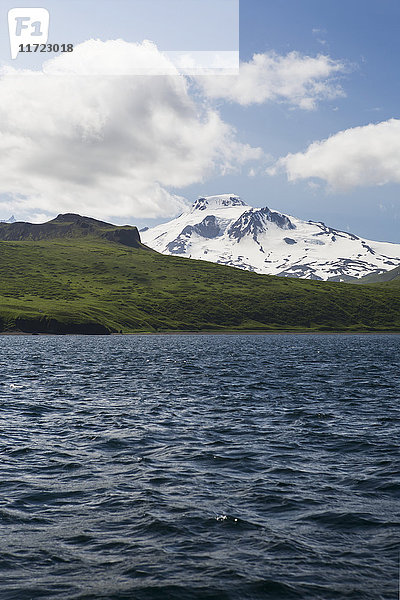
[(365, 34), (361, 40)]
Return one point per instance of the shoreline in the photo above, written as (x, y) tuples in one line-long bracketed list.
[(200, 333)]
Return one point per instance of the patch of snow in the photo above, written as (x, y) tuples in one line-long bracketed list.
[(225, 230)]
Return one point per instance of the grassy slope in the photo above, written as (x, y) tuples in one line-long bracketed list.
[(66, 285), (392, 276)]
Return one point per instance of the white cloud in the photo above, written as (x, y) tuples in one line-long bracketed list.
[(361, 156), (299, 80), (107, 146)]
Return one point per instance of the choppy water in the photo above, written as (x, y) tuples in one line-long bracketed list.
[(199, 467)]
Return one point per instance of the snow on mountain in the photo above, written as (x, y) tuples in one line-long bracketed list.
[(225, 230), (10, 220)]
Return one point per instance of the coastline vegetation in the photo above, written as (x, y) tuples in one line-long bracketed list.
[(89, 284)]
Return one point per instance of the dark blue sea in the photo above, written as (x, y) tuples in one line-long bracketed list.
[(199, 467)]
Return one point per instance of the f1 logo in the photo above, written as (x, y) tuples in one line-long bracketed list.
[(27, 26)]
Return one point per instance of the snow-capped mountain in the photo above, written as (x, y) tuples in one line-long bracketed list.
[(225, 230), (10, 220)]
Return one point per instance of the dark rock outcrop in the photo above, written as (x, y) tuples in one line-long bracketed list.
[(57, 327), (255, 221), (204, 203)]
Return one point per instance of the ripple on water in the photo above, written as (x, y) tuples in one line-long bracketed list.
[(199, 467)]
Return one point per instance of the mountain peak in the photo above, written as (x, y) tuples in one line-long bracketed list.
[(225, 230), (222, 201), (12, 219)]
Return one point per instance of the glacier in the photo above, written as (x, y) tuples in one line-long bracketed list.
[(225, 230)]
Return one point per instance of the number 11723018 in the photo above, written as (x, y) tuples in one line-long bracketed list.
[(46, 47)]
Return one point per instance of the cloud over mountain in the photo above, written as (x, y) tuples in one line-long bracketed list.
[(113, 144)]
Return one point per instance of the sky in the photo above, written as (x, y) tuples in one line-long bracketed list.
[(309, 126)]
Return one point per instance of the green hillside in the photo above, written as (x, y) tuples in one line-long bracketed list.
[(392, 276), (68, 227), (97, 278)]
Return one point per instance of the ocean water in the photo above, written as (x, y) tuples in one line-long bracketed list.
[(199, 467)]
